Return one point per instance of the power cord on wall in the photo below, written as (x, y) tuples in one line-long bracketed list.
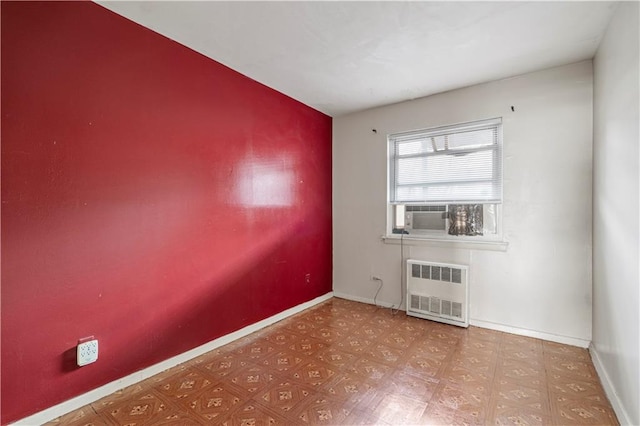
[(394, 311), (401, 274), (378, 291)]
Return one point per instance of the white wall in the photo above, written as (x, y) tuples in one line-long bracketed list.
[(616, 228), (541, 285)]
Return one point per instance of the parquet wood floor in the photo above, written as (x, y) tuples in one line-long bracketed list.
[(349, 363)]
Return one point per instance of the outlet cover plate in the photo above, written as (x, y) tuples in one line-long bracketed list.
[(87, 352)]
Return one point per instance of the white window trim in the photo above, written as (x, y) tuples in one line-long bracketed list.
[(392, 139), (476, 244), (489, 242), (483, 242)]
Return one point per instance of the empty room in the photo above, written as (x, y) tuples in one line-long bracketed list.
[(321, 212)]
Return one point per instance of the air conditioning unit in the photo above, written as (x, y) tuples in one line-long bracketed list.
[(438, 292), (426, 218)]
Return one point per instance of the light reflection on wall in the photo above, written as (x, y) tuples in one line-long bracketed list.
[(265, 183)]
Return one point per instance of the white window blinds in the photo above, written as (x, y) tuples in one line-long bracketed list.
[(452, 164)]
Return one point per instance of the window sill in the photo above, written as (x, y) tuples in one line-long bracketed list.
[(445, 242)]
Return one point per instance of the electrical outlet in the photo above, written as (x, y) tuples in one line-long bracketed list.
[(307, 278), (87, 352), (375, 278)]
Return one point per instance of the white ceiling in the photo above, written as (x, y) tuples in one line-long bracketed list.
[(339, 57)]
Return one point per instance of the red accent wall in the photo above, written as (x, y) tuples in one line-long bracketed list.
[(151, 197)]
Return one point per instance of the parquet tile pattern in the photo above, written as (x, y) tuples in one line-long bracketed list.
[(348, 363)]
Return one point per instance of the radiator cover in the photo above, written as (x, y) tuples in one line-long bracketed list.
[(438, 292)]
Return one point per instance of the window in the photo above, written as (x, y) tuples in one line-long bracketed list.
[(447, 180)]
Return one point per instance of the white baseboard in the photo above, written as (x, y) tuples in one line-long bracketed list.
[(490, 325), (364, 300), (609, 389), (98, 393), (573, 341)]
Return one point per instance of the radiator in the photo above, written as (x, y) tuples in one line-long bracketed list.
[(438, 292)]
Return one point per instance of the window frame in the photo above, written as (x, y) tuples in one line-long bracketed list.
[(498, 150)]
